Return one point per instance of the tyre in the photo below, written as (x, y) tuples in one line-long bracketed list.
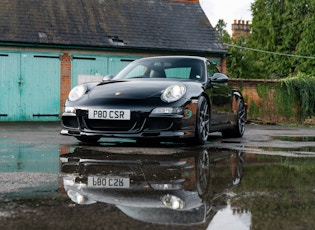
[(203, 172), (202, 122), (239, 128)]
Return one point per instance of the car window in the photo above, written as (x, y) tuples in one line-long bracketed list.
[(137, 71), (182, 72)]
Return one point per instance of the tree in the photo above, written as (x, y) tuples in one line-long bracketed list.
[(221, 29), (306, 45), (283, 27), (238, 61)]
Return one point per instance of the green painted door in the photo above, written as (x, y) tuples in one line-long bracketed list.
[(10, 82), (40, 94), (87, 65), (29, 87)]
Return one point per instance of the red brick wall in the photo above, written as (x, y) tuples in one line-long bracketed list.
[(222, 66), (65, 81), (249, 88)]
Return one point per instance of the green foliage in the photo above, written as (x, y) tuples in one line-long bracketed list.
[(239, 64), (281, 42), (280, 46), (303, 88), (285, 104), (221, 29), (290, 100)]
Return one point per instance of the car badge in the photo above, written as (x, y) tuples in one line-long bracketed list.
[(117, 93)]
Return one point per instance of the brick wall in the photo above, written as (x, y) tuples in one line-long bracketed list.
[(222, 66), (65, 79), (260, 107), (249, 88)]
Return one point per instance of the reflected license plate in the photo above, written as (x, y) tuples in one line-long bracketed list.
[(109, 114), (108, 182)]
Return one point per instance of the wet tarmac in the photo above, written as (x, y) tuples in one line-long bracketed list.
[(264, 180)]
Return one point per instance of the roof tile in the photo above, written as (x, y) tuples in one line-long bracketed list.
[(150, 24)]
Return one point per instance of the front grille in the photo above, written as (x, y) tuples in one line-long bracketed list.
[(133, 125), (158, 124), (133, 171), (110, 125)]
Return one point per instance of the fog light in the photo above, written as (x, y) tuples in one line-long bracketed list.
[(78, 198), (167, 110), (173, 202), (166, 186), (69, 110)]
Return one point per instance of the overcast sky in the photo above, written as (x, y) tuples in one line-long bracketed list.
[(228, 10)]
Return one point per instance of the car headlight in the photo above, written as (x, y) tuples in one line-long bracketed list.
[(173, 93), (77, 92), (173, 202)]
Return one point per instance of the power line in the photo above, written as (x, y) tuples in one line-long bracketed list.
[(269, 52)]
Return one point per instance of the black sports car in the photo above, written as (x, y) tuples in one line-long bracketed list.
[(169, 97)]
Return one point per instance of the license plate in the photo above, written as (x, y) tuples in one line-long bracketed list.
[(109, 114), (108, 182)]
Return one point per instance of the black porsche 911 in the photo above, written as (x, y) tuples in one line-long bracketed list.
[(158, 98)]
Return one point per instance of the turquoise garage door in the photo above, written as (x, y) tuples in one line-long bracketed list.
[(29, 86)]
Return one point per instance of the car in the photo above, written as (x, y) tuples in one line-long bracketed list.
[(164, 98)]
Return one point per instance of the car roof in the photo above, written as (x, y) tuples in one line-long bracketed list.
[(174, 57)]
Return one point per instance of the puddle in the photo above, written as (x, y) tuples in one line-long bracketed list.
[(234, 188), (304, 149), (294, 138), (142, 186)]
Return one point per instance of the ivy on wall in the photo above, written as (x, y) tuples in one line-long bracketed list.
[(302, 87), (290, 100)]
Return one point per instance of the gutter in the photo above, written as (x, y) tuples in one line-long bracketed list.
[(215, 53)]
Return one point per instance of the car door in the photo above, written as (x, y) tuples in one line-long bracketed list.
[(220, 95)]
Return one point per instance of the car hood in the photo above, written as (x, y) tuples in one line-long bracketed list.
[(131, 89)]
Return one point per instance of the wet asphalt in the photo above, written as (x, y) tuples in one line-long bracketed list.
[(264, 180)]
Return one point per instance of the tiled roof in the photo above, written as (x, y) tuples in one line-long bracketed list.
[(137, 24)]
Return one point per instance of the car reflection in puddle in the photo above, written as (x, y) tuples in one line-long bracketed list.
[(183, 188)]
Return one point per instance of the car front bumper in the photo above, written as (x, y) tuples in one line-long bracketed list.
[(141, 125)]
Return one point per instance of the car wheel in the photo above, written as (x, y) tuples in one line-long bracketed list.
[(239, 129), (202, 122), (88, 139), (203, 172)]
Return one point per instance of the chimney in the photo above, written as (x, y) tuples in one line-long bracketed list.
[(240, 28)]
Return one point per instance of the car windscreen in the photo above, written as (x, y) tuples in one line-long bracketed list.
[(173, 68)]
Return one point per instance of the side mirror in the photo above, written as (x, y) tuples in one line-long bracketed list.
[(219, 78), (108, 77)]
